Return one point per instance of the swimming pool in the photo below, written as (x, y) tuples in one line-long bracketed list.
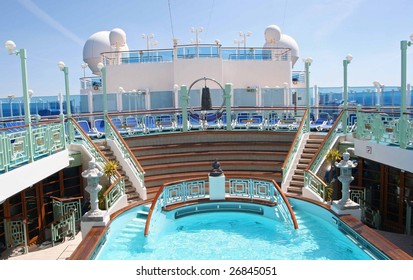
[(233, 235)]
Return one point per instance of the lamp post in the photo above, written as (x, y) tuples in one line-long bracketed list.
[(403, 117), (65, 70), (346, 62), (11, 48), (244, 40), (197, 40), (237, 42), (102, 69), (307, 63), (148, 38), (84, 66), (379, 87), (11, 97)]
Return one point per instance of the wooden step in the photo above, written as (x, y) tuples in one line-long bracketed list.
[(295, 190), (159, 180), (295, 183), (211, 155), (298, 178), (206, 166)]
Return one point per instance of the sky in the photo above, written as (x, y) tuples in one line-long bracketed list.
[(325, 30)]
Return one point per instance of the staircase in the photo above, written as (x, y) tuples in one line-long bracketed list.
[(310, 148), (129, 189)]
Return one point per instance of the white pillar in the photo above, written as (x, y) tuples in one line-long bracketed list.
[(95, 216), (345, 205), (216, 182), (92, 175)]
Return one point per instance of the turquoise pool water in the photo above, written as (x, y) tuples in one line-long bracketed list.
[(232, 236)]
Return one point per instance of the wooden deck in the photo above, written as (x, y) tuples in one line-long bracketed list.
[(384, 245)]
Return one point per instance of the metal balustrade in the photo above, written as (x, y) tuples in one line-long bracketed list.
[(48, 138), (64, 226), (15, 233), (384, 127), (314, 183), (252, 190), (117, 187)]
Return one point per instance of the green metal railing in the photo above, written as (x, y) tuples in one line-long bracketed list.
[(15, 233), (310, 178), (15, 147), (117, 187), (295, 145), (387, 128), (64, 226), (127, 154), (316, 184), (335, 131), (250, 189), (62, 206)]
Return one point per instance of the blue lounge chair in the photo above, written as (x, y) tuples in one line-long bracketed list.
[(194, 121), (166, 122), (92, 133), (99, 126), (122, 129), (133, 126), (150, 124)]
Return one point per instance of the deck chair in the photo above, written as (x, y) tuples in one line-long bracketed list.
[(166, 122), (99, 126), (92, 133), (194, 121), (122, 129), (150, 124), (133, 125)]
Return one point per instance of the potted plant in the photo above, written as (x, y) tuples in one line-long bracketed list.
[(109, 170), (332, 157)]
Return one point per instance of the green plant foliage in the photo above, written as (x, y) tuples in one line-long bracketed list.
[(333, 155), (110, 168)]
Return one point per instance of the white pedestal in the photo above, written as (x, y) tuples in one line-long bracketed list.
[(95, 219), (350, 207), (217, 187)]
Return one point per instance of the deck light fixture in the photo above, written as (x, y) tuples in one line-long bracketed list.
[(379, 87), (62, 66), (197, 40), (403, 140), (244, 39), (11, 49), (307, 62), (102, 69), (346, 62), (148, 38)]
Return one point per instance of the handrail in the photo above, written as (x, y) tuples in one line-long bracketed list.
[(315, 176), (62, 217), (149, 218), (321, 188), (103, 159), (126, 147), (161, 191), (65, 199), (332, 132), (297, 135), (290, 209)]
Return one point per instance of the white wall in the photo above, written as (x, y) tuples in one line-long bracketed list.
[(162, 76), (389, 155), (154, 76), (21, 178), (256, 73)]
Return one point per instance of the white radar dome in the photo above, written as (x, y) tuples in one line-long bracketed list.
[(117, 38), (272, 34), (288, 42), (94, 46)]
